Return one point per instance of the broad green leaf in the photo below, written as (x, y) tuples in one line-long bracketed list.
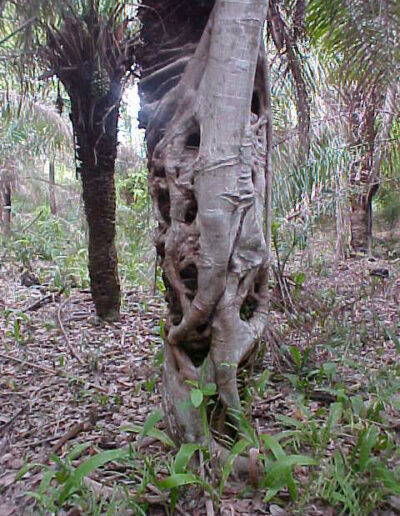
[(368, 441), (46, 479), (179, 479), (154, 432), (184, 455), (25, 468), (273, 445), (151, 421), (279, 469), (293, 379), (209, 389), (291, 485), (76, 451), (299, 279), (329, 368), (270, 494), (296, 355), (335, 414), (357, 405), (88, 467), (196, 397), (289, 421), (388, 478), (237, 450)]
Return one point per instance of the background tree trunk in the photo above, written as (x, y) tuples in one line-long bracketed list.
[(205, 110), (6, 191), (364, 176), (96, 149), (362, 112), (52, 191), (285, 42), (98, 48)]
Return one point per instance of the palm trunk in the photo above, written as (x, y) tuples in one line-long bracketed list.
[(342, 218), (206, 141), (91, 55), (362, 133), (99, 201), (97, 148), (286, 45), (52, 191)]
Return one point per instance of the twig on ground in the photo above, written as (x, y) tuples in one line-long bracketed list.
[(70, 346), (12, 420), (274, 398), (31, 364), (38, 442), (43, 300), (75, 430), (146, 442), (72, 432)]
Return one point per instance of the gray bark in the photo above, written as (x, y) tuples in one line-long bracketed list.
[(207, 181)]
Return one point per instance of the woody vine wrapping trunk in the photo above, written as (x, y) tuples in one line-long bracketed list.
[(204, 106)]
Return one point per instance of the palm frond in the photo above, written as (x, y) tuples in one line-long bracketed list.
[(363, 35)]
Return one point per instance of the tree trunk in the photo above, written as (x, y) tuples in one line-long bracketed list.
[(361, 226), (96, 150), (286, 45), (206, 135), (362, 110), (91, 55), (342, 217), (364, 176), (52, 191), (6, 208)]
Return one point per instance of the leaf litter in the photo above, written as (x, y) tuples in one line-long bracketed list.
[(68, 378)]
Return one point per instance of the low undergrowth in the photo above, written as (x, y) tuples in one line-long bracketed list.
[(320, 417), (54, 248), (341, 454)]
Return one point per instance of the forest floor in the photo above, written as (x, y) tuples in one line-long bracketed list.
[(328, 387)]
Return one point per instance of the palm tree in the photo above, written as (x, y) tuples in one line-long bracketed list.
[(89, 47), (286, 28), (362, 37), (91, 55)]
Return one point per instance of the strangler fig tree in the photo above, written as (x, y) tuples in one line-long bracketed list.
[(204, 100)]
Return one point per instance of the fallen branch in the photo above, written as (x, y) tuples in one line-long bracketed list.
[(12, 420), (43, 300), (39, 442), (72, 432), (31, 364), (70, 346)]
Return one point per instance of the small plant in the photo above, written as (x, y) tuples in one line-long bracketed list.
[(303, 374), (64, 485), (279, 466)]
